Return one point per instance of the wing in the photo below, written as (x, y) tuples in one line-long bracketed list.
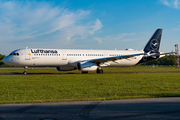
[(106, 59)]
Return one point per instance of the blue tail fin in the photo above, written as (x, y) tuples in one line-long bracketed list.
[(154, 42)]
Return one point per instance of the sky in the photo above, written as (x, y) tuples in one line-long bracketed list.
[(87, 24)]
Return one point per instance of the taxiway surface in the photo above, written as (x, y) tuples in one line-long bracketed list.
[(151, 108)]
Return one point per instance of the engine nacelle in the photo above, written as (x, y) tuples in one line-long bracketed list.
[(86, 66), (65, 68)]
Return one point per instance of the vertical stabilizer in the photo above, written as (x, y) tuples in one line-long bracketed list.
[(154, 42)]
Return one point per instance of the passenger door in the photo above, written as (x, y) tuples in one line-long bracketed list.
[(64, 55), (27, 54)]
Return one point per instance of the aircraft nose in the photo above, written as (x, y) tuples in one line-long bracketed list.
[(6, 60)]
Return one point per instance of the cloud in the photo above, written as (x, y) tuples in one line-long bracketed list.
[(21, 21), (124, 37), (118, 37), (128, 40), (98, 39), (98, 25), (171, 3)]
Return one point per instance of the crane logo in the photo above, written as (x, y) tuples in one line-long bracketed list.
[(154, 44)]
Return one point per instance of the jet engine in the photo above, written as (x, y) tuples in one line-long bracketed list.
[(86, 66), (65, 68)]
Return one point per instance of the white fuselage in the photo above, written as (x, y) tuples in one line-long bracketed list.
[(68, 57)]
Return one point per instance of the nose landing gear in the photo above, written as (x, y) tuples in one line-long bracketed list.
[(25, 70)]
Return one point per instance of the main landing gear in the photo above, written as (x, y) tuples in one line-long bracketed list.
[(25, 70), (99, 71)]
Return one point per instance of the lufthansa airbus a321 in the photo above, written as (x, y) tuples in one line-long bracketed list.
[(85, 60)]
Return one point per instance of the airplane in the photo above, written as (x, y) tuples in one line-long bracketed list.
[(85, 60)]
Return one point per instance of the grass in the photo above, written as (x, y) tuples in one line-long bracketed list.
[(16, 70), (66, 86)]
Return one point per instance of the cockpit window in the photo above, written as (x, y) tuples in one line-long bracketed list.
[(17, 54)]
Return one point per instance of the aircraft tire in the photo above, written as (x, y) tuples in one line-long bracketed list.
[(25, 73), (99, 71), (84, 72)]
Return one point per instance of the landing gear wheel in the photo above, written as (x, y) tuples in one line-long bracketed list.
[(25, 70), (25, 73), (99, 71), (84, 72)]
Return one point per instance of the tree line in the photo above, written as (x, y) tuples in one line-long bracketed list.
[(166, 60), (1, 56)]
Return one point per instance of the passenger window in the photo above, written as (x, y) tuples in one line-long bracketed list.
[(17, 54)]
